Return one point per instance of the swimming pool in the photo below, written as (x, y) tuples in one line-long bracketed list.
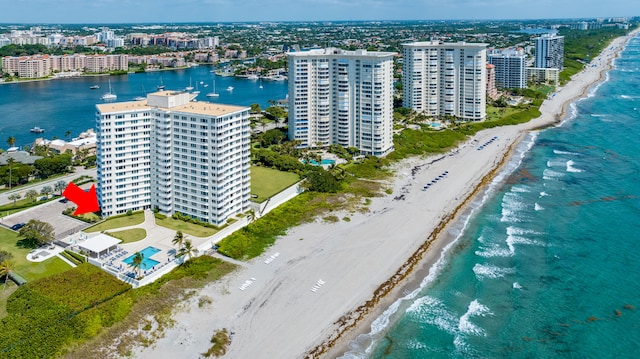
[(323, 162), (147, 262)]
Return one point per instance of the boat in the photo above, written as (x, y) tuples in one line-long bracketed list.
[(253, 77), (95, 87), (109, 95), (261, 83), (36, 130), (161, 86), (189, 88), (214, 93), (230, 88), (139, 98)]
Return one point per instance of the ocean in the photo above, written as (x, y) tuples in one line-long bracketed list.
[(65, 105), (546, 263)]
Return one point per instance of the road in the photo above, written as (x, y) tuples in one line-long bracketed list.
[(79, 171)]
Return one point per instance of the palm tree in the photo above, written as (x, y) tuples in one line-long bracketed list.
[(31, 194), (60, 186), (10, 162), (178, 239), (187, 250), (11, 141), (14, 197), (46, 190), (137, 262), (5, 269)]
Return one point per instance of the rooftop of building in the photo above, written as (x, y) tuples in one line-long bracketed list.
[(336, 51), (195, 107), (444, 44)]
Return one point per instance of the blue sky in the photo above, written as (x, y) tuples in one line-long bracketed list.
[(125, 11)]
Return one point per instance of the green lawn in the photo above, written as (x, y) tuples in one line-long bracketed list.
[(118, 222), (129, 235), (186, 227), (496, 113), (266, 182), (28, 270)]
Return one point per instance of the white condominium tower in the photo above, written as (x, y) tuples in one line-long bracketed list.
[(445, 79), (550, 51), (342, 97), (170, 153)]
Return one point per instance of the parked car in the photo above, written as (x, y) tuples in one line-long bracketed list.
[(17, 226)]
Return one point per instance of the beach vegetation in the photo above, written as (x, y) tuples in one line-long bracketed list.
[(219, 343)]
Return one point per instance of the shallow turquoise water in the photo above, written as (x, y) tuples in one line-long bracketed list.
[(549, 265)]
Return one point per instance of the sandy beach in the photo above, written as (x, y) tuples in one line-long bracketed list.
[(329, 281)]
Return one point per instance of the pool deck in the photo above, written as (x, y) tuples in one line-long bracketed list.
[(158, 237)]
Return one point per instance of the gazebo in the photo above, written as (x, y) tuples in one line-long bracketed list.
[(99, 245)]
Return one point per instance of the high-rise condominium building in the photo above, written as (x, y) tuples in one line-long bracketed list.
[(445, 79), (550, 51), (342, 97), (173, 154), (510, 66)]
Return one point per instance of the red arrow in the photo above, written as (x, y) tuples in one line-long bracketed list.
[(86, 201)]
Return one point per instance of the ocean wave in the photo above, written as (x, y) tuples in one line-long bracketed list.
[(494, 251), (570, 167), (548, 174), (560, 152), (537, 207), (556, 163), (544, 194), (475, 309), (516, 285), (520, 189), (430, 310), (489, 271)]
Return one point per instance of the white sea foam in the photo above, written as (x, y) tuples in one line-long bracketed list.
[(560, 152), (571, 168), (548, 174), (544, 194), (475, 309), (489, 271), (520, 189), (430, 310), (538, 207), (516, 285), (556, 163), (494, 251)]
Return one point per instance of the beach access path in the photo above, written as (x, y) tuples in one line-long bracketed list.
[(287, 305)]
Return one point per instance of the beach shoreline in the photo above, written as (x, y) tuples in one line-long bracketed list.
[(319, 286), (551, 116)]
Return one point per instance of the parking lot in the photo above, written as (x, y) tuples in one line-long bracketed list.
[(51, 213)]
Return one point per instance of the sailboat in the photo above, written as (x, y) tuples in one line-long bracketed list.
[(260, 82), (140, 98), (109, 95), (214, 93), (196, 92), (189, 88), (161, 86)]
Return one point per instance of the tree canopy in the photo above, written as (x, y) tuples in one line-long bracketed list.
[(37, 233)]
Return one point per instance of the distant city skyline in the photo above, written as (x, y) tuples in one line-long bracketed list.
[(164, 11)]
